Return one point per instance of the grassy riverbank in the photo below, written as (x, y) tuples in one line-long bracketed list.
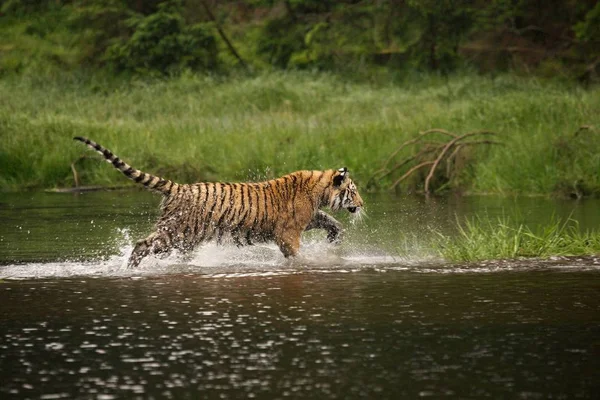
[(480, 239), (195, 127)]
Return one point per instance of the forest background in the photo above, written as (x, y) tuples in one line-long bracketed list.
[(236, 90)]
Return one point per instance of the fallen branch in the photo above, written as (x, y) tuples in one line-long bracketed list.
[(431, 154), (445, 149), (421, 135), (385, 172), (410, 171)]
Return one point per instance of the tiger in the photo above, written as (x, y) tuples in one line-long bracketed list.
[(277, 210)]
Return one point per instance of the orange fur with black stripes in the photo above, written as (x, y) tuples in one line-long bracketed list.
[(276, 210)]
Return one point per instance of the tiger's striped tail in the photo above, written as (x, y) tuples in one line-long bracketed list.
[(150, 181)]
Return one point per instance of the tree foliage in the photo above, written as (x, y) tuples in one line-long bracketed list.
[(555, 37), (163, 42)]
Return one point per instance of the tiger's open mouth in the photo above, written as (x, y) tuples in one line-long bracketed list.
[(352, 209)]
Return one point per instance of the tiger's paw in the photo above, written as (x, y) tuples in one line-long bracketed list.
[(335, 236)]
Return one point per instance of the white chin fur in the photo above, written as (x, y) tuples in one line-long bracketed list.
[(358, 215)]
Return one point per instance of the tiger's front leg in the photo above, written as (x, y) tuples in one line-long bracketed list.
[(322, 220)]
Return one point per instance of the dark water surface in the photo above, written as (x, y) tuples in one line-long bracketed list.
[(360, 321)]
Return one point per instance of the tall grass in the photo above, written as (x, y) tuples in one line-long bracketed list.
[(197, 127), (480, 239)]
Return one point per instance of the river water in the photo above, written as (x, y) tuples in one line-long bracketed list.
[(380, 317)]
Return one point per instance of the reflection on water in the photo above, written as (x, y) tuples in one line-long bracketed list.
[(367, 334), (356, 321)]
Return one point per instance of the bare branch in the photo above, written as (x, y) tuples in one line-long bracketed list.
[(403, 163), (409, 159), (409, 172), (223, 36), (451, 156), (445, 149), (431, 154), (422, 134), (437, 130)]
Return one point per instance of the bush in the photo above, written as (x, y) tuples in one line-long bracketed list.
[(279, 39), (162, 42)]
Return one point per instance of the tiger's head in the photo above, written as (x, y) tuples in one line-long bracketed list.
[(344, 193)]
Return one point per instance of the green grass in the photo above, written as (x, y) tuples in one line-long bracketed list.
[(479, 239), (197, 127)]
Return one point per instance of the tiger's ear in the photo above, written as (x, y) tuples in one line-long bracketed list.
[(339, 178)]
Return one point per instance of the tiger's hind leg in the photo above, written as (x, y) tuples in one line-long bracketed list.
[(289, 243), (322, 220), (156, 243)]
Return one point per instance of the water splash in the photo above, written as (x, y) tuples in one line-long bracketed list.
[(316, 256), (214, 260)]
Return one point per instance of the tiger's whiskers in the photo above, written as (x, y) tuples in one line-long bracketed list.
[(358, 216)]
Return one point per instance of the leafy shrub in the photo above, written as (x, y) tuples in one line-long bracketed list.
[(279, 39), (162, 42), (22, 6), (97, 25)]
